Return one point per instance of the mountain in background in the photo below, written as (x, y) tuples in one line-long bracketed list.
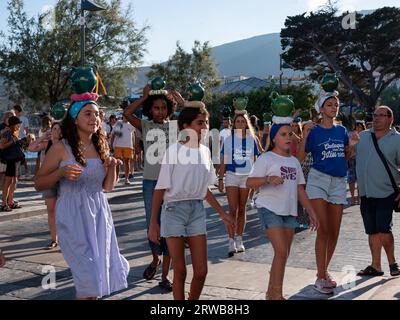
[(254, 57)]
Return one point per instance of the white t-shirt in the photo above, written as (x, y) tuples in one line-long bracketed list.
[(122, 132), (106, 127), (24, 124), (281, 199), (186, 173)]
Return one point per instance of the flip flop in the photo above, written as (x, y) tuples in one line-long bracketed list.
[(370, 271), (151, 271)]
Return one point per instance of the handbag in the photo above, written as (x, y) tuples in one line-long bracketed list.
[(13, 153), (389, 172)]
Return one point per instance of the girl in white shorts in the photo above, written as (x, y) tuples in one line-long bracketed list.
[(238, 154)]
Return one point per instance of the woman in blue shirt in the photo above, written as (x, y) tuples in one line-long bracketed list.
[(329, 145), (238, 155)]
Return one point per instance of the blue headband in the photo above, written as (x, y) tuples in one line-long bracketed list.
[(275, 128), (78, 105)]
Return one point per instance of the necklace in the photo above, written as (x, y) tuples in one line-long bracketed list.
[(84, 148)]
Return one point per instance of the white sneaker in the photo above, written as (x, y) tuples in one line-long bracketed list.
[(232, 248), (322, 286), (239, 245)]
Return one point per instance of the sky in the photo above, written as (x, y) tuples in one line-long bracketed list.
[(216, 21)]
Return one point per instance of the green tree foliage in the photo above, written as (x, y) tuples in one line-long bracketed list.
[(37, 54), (367, 58), (183, 68), (391, 98)]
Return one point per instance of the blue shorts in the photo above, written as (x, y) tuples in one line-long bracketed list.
[(270, 219), (323, 186), (377, 214), (183, 219)]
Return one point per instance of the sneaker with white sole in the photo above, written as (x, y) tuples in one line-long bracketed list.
[(330, 281), (239, 245), (232, 248), (322, 286)]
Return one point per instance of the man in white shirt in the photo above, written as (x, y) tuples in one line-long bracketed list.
[(225, 132), (122, 141)]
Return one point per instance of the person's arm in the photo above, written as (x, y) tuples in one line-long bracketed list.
[(134, 106), (221, 173), (6, 143), (154, 229), (306, 203), (226, 218), (111, 173), (301, 151), (2, 258), (255, 182), (50, 173), (7, 140), (40, 144), (353, 141)]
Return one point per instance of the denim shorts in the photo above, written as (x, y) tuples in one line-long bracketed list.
[(377, 214), (148, 190), (270, 219), (49, 193), (185, 218), (323, 186), (235, 180)]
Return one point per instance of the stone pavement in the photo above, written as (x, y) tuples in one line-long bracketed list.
[(24, 234)]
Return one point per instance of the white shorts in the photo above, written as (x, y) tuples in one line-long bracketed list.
[(235, 180)]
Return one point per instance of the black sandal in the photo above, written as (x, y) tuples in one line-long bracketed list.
[(5, 208), (151, 271), (15, 205), (166, 285), (370, 271), (52, 245), (394, 270)]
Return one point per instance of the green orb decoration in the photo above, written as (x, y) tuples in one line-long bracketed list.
[(240, 103), (330, 82), (83, 80), (158, 83), (195, 92), (58, 111), (267, 117), (282, 105), (359, 114)]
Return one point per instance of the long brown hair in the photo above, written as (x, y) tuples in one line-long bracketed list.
[(69, 132), (249, 126)]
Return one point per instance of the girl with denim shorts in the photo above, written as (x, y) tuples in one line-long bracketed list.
[(329, 145), (186, 172), (280, 179)]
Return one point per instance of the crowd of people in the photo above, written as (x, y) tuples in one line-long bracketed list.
[(294, 173)]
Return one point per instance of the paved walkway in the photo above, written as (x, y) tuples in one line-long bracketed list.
[(24, 234)]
